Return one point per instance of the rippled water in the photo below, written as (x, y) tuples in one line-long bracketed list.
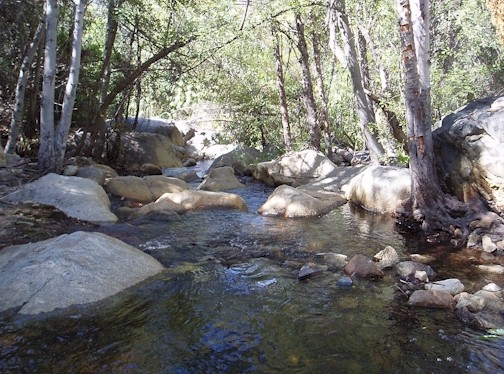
[(230, 302)]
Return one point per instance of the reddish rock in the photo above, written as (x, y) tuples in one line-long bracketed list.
[(432, 299), (364, 267)]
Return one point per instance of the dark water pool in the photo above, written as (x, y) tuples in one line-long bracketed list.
[(231, 302)]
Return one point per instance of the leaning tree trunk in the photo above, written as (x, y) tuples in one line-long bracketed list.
[(46, 147), (17, 113), (309, 100), (427, 199), (282, 95), (338, 20)]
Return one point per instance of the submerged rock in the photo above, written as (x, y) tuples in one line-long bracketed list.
[(77, 268), (310, 270)]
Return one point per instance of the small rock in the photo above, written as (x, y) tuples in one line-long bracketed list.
[(334, 260), (494, 269), (387, 257), (345, 282), (488, 245), (431, 299), (70, 170), (150, 169), (421, 276), (473, 303), (492, 287), (453, 286), (311, 269)]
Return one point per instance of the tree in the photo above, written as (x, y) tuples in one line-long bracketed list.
[(281, 92), (347, 55), (308, 99), (429, 205), (53, 140), (497, 9), (17, 113)]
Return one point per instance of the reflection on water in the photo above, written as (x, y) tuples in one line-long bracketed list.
[(230, 302)]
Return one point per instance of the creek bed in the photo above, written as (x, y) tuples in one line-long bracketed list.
[(231, 302)]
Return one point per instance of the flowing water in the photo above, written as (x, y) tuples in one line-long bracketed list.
[(231, 302)]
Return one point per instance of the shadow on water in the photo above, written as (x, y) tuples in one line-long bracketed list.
[(230, 302)]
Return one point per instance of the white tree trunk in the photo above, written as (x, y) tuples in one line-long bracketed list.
[(17, 113), (46, 147), (338, 20), (71, 86)]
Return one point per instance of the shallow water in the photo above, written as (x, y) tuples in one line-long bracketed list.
[(230, 302)]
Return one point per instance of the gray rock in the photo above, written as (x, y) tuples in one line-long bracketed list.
[(95, 174), (292, 202), (221, 179), (380, 189), (431, 299), (406, 269), (240, 159), (492, 287), (452, 285), (345, 282), (311, 269), (469, 149), (387, 257), (294, 169), (70, 269), (77, 197)]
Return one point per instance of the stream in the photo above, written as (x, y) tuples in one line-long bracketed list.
[(231, 302)]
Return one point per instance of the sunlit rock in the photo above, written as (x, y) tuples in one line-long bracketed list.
[(380, 189), (192, 200), (387, 257), (292, 202), (77, 197), (146, 189), (239, 158), (78, 268), (294, 169)]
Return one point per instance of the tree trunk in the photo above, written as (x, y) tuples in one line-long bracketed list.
[(17, 113), (427, 202), (282, 95), (46, 147), (32, 120), (309, 101), (338, 20), (71, 86), (324, 111)]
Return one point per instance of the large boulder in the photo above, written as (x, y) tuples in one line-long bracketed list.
[(221, 179), (192, 200), (294, 169), (146, 189), (137, 149), (469, 146), (240, 159), (77, 268), (380, 189), (293, 202), (77, 197)]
